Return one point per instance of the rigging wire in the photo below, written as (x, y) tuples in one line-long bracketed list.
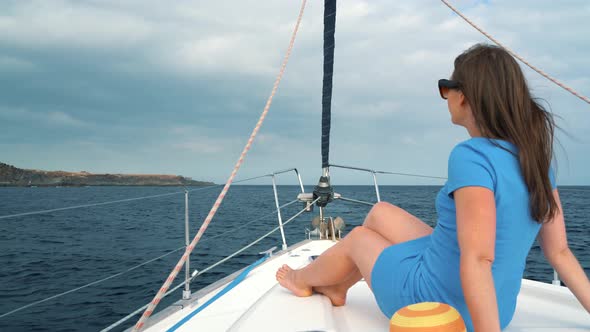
[(122, 320), (256, 241), (84, 205), (410, 174), (356, 201), (87, 285), (122, 200), (139, 265), (386, 172), (542, 73), (99, 204), (254, 178)]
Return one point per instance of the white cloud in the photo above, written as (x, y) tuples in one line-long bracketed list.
[(8, 64), (351, 10), (232, 53), (409, 140), (206, 146), (198, 139), (61, 118), (369, 110), (38, 24), (49, 118)]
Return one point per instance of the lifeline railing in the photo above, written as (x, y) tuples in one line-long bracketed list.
[(198, 273), (15, 215), (31, 213), (374, 173), (186, 292)]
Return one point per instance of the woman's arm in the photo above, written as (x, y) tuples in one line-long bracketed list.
[(476, 233), (553, 240)]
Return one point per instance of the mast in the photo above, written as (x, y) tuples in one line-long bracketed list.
[(324, 190), (329, 29)]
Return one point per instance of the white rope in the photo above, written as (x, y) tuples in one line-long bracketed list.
[(122, 320), (542, 73)]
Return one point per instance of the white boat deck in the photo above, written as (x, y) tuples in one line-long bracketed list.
[(260, 304)]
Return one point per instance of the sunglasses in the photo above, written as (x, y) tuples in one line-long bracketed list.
[(445, 85)]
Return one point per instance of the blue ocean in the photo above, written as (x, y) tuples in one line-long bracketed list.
[(47, 254)]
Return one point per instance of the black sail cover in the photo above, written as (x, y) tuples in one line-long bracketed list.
[(329, 29)]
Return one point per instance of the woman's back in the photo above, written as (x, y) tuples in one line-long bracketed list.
[(486, 163)]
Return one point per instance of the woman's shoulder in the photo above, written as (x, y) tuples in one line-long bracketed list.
[(478, 161), (471, 164), (469, 147), (484, 146), (485, 152)]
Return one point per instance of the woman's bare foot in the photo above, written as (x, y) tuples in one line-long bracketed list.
[(336, 294), (286, 277)]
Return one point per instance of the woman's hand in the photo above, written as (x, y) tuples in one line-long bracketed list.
[(553, 240), (476, 233)]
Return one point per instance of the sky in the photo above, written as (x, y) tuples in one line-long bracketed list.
[(176, 87)]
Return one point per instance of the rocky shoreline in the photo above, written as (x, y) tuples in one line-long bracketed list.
[(11, 176)]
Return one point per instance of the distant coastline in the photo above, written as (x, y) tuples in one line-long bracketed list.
[(11, 176)]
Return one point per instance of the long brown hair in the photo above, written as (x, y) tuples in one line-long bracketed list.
[(503, 108)]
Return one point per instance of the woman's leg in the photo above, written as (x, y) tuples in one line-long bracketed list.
[(337, 293), (354, 254), (395, 225), (387, 222)]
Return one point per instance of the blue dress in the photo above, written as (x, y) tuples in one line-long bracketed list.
[(427, 269)]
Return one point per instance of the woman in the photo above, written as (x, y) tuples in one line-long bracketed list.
[(500, 194)]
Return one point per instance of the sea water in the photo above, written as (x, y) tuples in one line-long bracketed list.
[(46, 254)]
